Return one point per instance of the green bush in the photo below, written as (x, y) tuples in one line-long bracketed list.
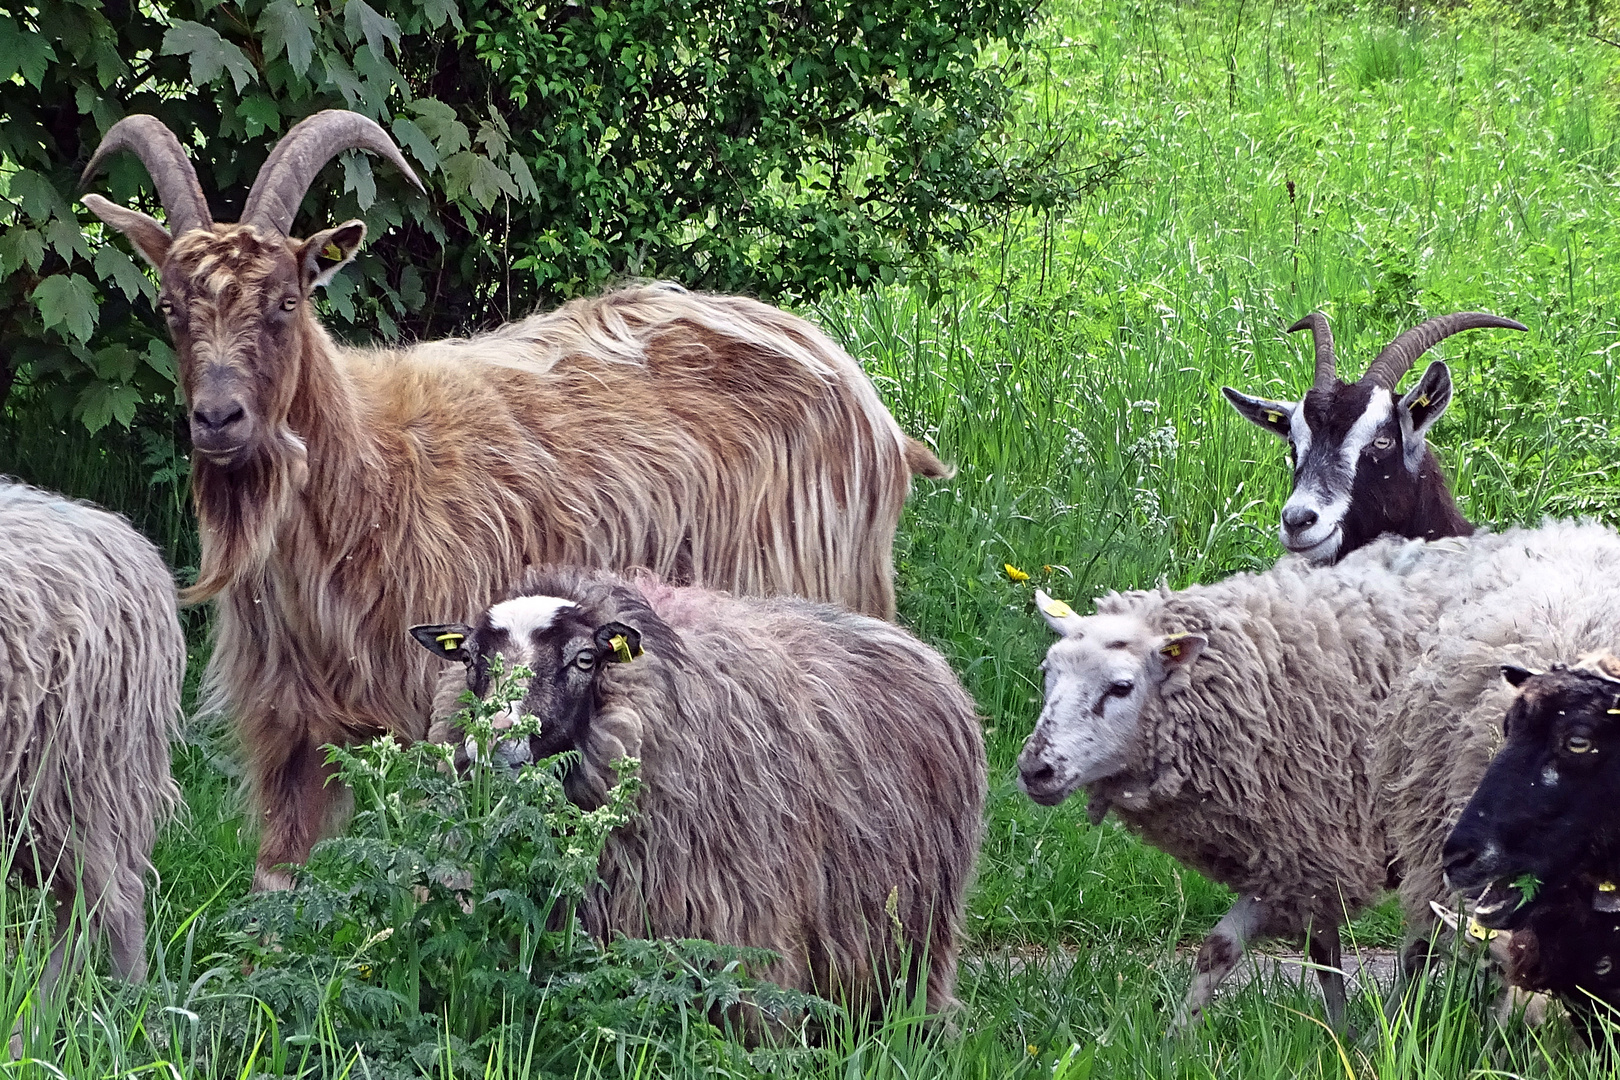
[(441, 930), (729, 144)]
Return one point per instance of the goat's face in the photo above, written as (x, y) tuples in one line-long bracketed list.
[(1549, 795), (236, 299), (1357, 455), (1099, 678), (565, 651)]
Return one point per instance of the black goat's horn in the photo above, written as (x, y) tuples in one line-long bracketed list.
[(1322, 337), (302, 153), (1399, 355), (149, 139)]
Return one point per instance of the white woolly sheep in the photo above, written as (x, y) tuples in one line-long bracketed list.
[(1251, 728), (91, 664), (813, 781)]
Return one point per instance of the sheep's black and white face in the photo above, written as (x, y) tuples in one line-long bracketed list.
[(1551, 793), (563, 649), (1098, 679), (1357, 456)]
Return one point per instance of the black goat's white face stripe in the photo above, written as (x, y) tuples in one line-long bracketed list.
[(1326, 478)]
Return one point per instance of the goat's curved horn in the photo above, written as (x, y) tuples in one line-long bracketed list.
[(1322, 337), (302, 153), (149, 139), (1399, 355)]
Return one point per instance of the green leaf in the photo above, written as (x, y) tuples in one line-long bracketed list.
[(360, 18), (19, 245), (522, 176), (210, 54), (67, 238), (24, 52), (113, 265), (39, 197), (101, 403), (436, 11), (342, 77), (115, 363), (69, 301), (261, 113), (468, 173), (288, 27), (161, 359), (358, 179), (439, 121), (417, 142)]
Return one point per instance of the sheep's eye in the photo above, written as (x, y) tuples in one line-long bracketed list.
[(1578, 744), (586, 660), (1383, 442), (1121, 687), (290, 304), (1603, 966)]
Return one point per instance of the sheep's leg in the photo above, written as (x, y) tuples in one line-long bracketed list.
[(1322, 943), (1218, 956), (294, 800)]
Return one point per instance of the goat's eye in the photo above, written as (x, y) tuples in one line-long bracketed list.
[(166, 306), (1603, 966), (586, 660), (1578, 744), (290, 304), (1383, 442), (1121, 687)]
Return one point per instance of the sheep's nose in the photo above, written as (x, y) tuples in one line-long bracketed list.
[(1456, 862), (1036, 772), (1298, 518)]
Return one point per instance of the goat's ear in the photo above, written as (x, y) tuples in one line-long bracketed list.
[(1058, 615), (618, 642), (1516, 675), (447, 641), (148, 235), (1427, 401), (1274, 416), (328, 251)]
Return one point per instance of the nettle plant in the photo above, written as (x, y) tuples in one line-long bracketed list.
[(443, 927)]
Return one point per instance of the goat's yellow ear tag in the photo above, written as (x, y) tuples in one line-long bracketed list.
[(1273, 416), (451, 641), (332, 253), (621, 649), (1057, 609)]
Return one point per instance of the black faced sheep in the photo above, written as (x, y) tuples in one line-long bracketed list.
[(1262, 729), (91, 664), (813, 781)]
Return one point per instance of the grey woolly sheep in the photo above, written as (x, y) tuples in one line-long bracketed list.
[(1251, 728), (813, 780), (91, 664)]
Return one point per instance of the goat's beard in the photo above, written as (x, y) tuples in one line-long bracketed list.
[(239, 510)]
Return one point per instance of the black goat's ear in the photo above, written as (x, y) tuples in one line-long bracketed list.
[(1516, 675), (617, 642), (447, 641), (1275, 416), (1426, 401)]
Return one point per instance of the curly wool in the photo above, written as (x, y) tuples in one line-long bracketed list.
[(813, 783), (91, 664)]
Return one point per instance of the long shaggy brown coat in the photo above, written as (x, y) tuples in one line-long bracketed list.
[(713, 439), (91, 664), (813, 783)]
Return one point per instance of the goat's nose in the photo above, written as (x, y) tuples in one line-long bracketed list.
[(216, 417), (1298, 518)]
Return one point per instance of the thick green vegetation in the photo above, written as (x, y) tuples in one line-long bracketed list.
[(1283, 158)]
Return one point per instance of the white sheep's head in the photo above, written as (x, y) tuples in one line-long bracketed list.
[(1099, 678)]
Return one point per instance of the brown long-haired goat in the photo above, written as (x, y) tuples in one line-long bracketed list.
[(812, 781), (345, 493)]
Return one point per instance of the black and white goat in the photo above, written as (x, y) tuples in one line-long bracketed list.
[(1362, 466)]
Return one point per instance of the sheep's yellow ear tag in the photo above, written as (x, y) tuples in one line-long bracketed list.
[(1423, 400), (1172, 649), (621, 649), (1480, 933), (1056, 609), (450, 641)]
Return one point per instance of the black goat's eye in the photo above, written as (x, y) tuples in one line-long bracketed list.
[(1578, 744), (586, 660), (1121, 687), (1603, 966), (1383, 442)]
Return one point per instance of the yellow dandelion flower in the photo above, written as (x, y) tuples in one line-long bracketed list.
[(1013, 573), (1032, 1050)]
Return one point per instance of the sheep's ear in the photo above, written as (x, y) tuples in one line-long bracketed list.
[(1426, 402), (1275, 416), (1178, 652), (618, 642), (148, 235), (328, 251), (1058, 615), (1516, 675), (447, 641)]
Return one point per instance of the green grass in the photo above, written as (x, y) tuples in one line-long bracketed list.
[(1072, 373)]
